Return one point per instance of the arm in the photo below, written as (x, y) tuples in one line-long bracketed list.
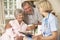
[(32, 27), (53, 26), (52, 37), (7, 26)]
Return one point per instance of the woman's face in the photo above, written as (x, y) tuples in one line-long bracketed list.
[(42, 11), (19, 17)]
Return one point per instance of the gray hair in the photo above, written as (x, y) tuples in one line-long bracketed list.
[(26, 2), (18, 11)]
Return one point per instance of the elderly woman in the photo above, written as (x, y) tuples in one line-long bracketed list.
[(14, 27), (49, 22)]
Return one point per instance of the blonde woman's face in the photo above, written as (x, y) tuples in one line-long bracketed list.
[(19, 17), (41, 10)]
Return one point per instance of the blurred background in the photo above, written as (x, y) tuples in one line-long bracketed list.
[(7, 8)]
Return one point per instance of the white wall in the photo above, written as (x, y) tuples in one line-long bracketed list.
[(18, 3), (56, 7)]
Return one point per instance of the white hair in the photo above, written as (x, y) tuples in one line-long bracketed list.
[(18, 11)]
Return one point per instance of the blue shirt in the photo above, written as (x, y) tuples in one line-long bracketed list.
[(49, 25)]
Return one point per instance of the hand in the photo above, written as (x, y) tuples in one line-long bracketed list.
[(16, 36), (19, 38), (30, 27), (39, 23), (34, 37), (40, 37)]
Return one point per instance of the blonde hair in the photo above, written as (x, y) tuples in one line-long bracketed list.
[(46, 5)]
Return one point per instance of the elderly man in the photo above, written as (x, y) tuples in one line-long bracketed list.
[(32, 15)]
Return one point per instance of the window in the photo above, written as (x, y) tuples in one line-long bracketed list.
[(9, 7)]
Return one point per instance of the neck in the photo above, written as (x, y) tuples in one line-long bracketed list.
[(19, 22), (45, 14)]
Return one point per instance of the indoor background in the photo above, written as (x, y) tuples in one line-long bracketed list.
[(7, 8)]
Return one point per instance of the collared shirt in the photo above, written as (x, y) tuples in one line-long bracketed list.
[(18, 27), (50, 25), (34, 18), (9, 33)]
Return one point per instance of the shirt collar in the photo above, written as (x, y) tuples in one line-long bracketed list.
[(21, 22), (47, 17)]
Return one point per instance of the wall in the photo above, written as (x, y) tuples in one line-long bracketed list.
[(1, 16), (56, 7), (1, 12)]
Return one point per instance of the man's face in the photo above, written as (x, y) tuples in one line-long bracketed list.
[(28, 9)]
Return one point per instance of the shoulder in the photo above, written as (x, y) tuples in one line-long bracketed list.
[(36, 10), (52, 17), (12, 21), (24, 23), (8, 25)]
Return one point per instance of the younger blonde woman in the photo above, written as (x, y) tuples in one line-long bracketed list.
[(49, 22)]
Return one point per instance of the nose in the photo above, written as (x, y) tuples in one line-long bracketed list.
[(27, 10), (20, 16)]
